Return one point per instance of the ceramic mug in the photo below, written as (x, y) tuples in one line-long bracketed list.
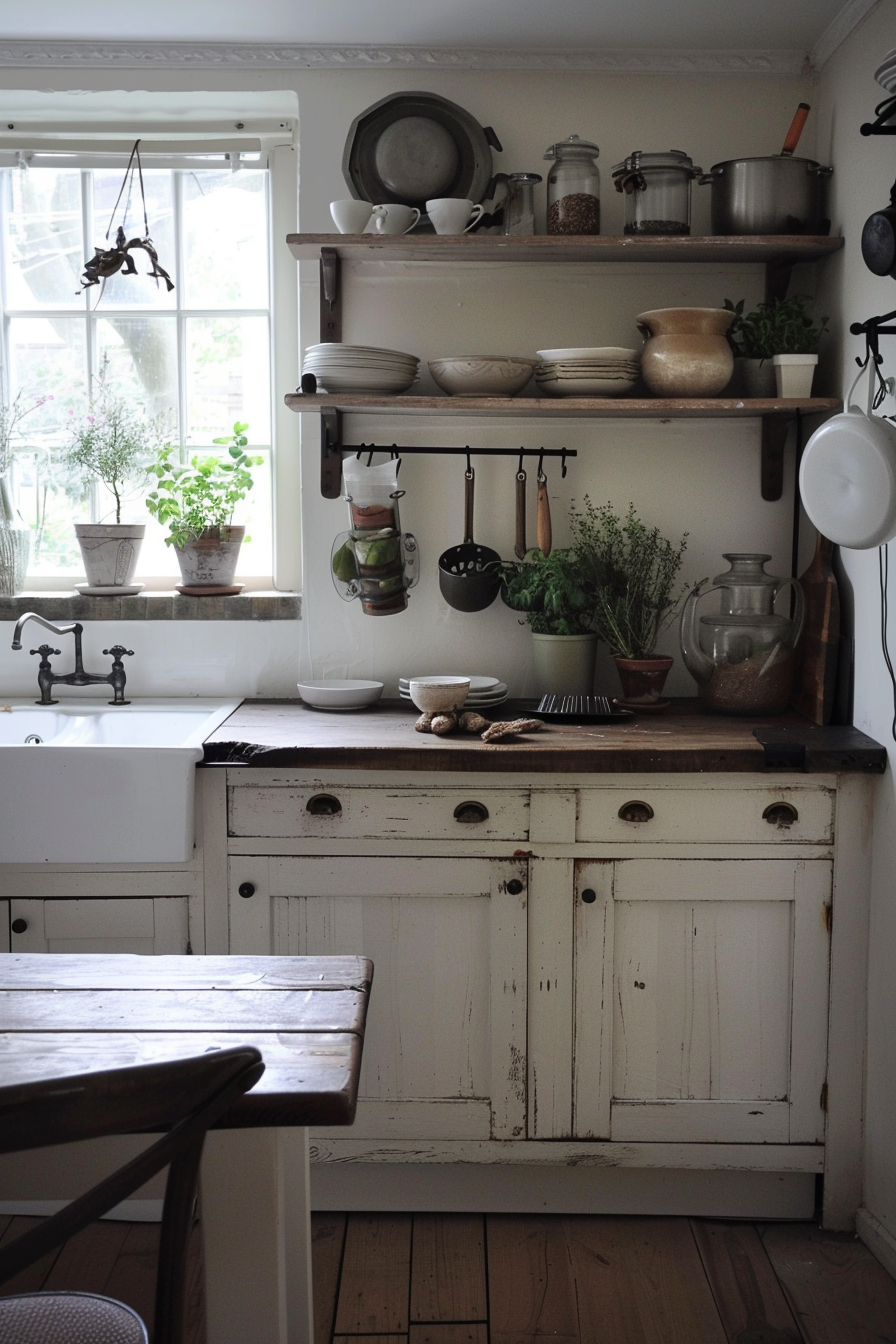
[(353, 216), (449, 214), (396, 218)]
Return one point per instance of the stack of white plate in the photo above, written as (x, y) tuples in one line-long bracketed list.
[(885, 74), (484, 691), (587, 371), (360, 368)]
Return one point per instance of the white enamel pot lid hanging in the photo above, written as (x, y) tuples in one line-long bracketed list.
[(848, 478)]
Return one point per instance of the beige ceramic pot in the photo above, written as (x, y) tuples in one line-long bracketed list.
[(564, 664), (686, 353)]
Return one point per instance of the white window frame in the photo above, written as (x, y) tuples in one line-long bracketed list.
[(95, 146)]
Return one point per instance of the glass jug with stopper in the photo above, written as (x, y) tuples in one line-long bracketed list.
[(742, 656)]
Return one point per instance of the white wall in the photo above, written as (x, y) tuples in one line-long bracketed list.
[(865, 169)]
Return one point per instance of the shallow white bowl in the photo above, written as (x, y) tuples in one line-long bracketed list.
[(481, 375), (600, 352), (439, 695), (335, 694)]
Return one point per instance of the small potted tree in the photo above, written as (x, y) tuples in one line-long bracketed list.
[(636, 570), (778, 343), (196, 501), (111, 446)]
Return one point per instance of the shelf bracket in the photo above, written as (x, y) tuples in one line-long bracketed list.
[(774, 436), (330, 296), (330, 454)]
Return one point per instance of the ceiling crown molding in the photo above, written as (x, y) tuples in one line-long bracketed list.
[(24, 54), (839, 30)]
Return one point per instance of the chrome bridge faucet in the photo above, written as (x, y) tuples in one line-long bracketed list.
[(47, 678)]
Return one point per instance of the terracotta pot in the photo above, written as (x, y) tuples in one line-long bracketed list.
[(642, 681), (210, 561), (686, 353)]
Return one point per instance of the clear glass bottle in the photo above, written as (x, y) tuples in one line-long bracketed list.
[(573, 187), (657, 190), (519, 205)]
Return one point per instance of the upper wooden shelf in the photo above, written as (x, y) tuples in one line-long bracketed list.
[(619, 408), (785, 248)]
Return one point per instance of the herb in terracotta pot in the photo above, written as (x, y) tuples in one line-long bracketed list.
[(196, 501)]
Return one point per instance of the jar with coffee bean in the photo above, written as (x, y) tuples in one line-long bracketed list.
[(657, 191), (573, 187)]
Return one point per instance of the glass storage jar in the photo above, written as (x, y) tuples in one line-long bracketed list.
[(573, 187), (519, 204), (657, 191)]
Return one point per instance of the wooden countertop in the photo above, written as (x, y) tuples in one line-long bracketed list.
[(287, 733)]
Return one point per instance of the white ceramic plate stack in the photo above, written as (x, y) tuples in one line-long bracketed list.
[(484, 692), (885, 74), (360, 368), (587, 371)]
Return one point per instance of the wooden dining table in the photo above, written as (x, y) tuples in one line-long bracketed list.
[(68, 1013)]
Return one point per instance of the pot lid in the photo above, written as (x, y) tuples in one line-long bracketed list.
[(848, 480), (411, 147), (670, 158), (573, 147)]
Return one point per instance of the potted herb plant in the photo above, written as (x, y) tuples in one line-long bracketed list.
[(773, 340), (636, 570), (558, 593), (196, 501), (110, 446)]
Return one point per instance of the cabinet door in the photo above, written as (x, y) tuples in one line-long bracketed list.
[(445, 1047), (150, 924), (716, 1027)]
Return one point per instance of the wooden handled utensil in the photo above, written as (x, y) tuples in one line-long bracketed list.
[(543, 515), (519, 548)]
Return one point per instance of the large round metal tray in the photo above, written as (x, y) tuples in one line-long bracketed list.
[(413, 147)]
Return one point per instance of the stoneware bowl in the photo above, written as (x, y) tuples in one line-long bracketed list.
[(334, 694), (481, 375), (438, 695)]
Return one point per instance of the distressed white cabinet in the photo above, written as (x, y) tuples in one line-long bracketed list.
[(630, 973), (145, 924)]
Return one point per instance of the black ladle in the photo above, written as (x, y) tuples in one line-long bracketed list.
[(469, 574)]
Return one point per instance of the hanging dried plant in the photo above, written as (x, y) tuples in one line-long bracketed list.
[(110, 260)]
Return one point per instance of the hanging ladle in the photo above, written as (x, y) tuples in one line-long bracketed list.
[(469, 574)]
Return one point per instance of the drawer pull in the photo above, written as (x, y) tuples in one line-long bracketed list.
[(19, 925), (323, 805), (469, 814), (246, 890), (514, 887), (636, 811), (589, 895), (780, 814)]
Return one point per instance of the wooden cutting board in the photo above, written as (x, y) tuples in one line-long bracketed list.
[(817, 648)]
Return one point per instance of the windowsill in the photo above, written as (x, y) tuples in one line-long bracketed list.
[(257, 605)]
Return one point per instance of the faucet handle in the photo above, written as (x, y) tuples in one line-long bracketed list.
[(118, 651), (45, 650)]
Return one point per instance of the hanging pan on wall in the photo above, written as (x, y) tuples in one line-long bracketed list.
[(413, 147), (848, 477)]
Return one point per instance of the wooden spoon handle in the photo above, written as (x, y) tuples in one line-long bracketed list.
[(543, 515)]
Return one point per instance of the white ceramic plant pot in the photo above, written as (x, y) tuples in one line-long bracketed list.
[(110, 552), (564, 664), (794, 374), (210, 562)]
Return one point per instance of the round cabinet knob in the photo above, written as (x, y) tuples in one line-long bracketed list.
[(514, 887), (19, 925), (469, 814), (323, 805), (246, 889), (635, 811), (589, 895), (780, 814)]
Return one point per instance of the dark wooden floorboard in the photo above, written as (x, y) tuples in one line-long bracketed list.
[(448, 1258), (327, 1240), (375, 1284), (530, 1283), (746, 1291)]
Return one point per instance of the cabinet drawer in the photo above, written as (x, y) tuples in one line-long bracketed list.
[(320, 812), (707, 816)]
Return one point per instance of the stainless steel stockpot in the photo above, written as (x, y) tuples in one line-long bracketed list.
[(777, 194)]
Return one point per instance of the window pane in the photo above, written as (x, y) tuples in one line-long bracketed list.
[(228, 377), (225, 239), (45, 251), (138, 290), (142, 362)]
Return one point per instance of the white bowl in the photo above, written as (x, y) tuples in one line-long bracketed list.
[(481, 375), (334, 694), (590, 352), (439, 695)]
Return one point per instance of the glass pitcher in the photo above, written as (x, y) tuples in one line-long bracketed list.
[(742, 656)]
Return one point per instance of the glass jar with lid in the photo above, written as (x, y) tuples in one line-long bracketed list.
[(657, 191), (573, 187), (519, 205)]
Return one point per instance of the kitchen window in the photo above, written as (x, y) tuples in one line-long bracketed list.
[(197, 358)]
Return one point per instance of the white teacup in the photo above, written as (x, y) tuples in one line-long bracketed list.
[(396, 218), (449, 214), (352, 216)]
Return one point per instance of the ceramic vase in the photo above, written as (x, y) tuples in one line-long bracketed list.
[(642, 681), (564, 664), (15, 549), (686, 353), (794, 374)]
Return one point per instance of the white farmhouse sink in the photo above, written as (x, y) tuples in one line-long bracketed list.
[(84, 781)]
